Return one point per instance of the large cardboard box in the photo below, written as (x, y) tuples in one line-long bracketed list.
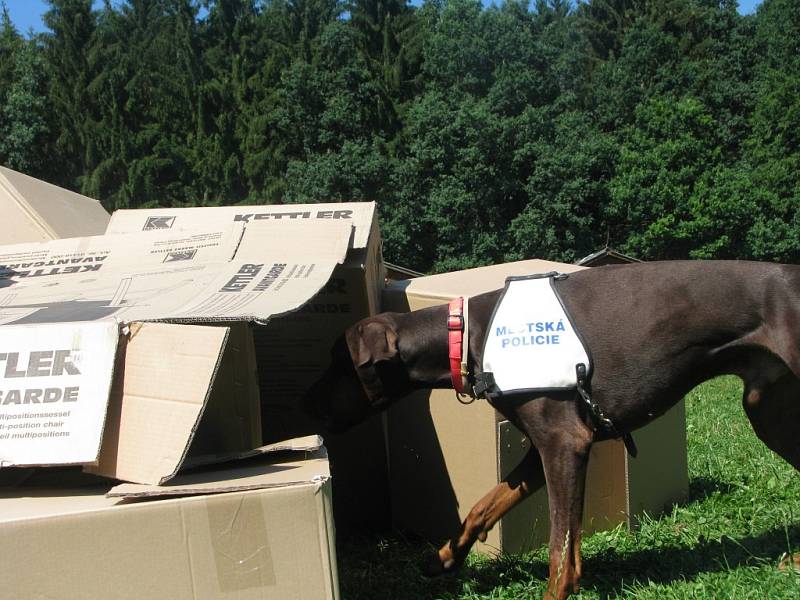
[(293, 349), (261, 530), (133, 356), (113, 291), (36, 211), (444, 455)]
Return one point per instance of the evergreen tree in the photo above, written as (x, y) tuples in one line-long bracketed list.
[(667, 151), (67, 51), (772, 151), (334, 108), (231, 58), (24, 127), (388, 43), (146, 89), (289, 34), (10, 44), (491, 133)]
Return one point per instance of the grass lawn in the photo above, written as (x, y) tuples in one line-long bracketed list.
[(727, 541)]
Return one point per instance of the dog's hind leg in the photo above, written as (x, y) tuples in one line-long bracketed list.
[(527, 477), (774, 412)]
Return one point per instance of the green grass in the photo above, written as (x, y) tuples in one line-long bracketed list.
[(727, 541)]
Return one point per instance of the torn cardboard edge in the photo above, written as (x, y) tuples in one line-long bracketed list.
[(287, 471), (311, 443), (71, 477)]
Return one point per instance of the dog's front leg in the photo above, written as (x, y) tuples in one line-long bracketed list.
[(527, 477), (565, 460)]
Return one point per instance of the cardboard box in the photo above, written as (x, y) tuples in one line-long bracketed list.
[(36, 211), (173, 312), (444, 456), (165, 376), (261, 529), (293, 349)]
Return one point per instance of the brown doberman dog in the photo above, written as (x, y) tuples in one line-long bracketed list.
[(654, 330)]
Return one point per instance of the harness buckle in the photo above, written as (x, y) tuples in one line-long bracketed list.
[(484, 385)]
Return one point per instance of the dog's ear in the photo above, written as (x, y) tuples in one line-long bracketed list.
[(371, 342)]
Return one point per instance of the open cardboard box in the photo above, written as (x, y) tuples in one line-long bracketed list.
[(305, 278), (141, 347), (260, 529), (66, 305), (292, 349), (444, 456)]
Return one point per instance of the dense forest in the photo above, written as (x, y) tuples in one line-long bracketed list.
[(663, 128)]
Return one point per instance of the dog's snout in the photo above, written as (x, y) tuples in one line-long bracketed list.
[(315, 403)]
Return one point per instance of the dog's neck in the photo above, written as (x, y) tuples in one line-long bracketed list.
[(423, 341)]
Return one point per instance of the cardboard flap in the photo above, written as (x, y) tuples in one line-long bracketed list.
[(277, 269), (231, 424), (163, 380), (54, 385), (228, 274), (65, 260), (358, 214), (309, 443), (290, 470)]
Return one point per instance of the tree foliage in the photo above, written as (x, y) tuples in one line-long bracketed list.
[(666, 128)]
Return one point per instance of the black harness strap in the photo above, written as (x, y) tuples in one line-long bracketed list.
[(601, 421), (484, 385)]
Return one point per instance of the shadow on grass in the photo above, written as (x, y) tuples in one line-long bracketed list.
[(391, 567), (611, 572), (372, 569), (701, 488), (607, 572)]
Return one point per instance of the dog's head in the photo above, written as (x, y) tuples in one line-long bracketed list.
[(364, 376)]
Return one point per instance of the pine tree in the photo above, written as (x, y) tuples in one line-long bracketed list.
[(10, 47), (146, 89), (289, 34), (24, 116), (66, 51), (10, 43)]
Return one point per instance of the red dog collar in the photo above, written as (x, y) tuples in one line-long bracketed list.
[(455, 335)]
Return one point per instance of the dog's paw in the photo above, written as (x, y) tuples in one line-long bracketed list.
[(789, 562), (434, 565)]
